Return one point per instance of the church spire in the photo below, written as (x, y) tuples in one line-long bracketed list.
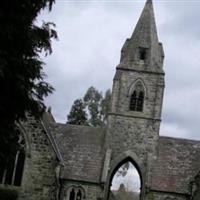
[(146, 30), (143, 46)]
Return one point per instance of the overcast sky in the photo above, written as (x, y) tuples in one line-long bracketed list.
[(131, 180), (91, 34)]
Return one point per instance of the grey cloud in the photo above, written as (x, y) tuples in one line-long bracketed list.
[(91, 35)]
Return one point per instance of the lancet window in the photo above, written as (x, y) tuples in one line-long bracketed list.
[(76, 193), (137, 98), (11, 174)]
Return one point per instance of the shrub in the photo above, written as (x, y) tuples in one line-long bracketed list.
[(7, 193)]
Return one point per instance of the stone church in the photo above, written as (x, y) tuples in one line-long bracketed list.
[(67, 162)]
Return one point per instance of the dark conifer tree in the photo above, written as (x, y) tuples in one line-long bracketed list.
[(77, 115), (22, 82)]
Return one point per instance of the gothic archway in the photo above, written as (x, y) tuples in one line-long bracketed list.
[(136, 167), (126, 182)]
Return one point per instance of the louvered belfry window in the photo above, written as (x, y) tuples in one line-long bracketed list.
[(142, 53), (137, 98)]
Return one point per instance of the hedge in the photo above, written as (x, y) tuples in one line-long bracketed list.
[(7, 193)]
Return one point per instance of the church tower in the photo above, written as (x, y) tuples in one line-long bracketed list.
[(137, 95)]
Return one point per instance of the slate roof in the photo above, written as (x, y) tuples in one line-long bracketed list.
[(81, 148), (177, 164)]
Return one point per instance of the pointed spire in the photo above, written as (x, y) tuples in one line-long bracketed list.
[(144, 44), (146, 26)]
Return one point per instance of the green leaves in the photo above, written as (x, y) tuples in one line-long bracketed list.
[(105, 106), (123, 170), (77, 115), (22, 83), (95, 107), (93, 99)]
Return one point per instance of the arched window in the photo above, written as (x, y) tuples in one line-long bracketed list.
[(137, 98), (12, 173), (75, 193), (72, 195), (79, 195)]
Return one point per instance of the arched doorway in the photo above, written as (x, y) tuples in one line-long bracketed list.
[(125, 183)]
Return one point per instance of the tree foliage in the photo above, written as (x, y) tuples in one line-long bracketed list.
[(22, 82), (92, 110), (77, 114), (96, 105), (124, 193), (105, 106), (123, 170), (93, 99)]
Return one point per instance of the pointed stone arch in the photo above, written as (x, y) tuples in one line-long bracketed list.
[(26, 139), (119, 161), (133, 85)]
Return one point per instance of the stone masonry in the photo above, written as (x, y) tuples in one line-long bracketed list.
[(68, 162), (39, 177)]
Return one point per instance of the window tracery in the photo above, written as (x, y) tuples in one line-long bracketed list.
[(137, 98)]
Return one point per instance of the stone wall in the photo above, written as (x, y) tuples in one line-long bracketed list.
[(196, 188), (136, 132), (138, 135), (165, 196), (131, 130), (39, 178), (122, 89)]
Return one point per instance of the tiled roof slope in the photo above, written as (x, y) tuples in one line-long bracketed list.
[(177, 164), (81, 150)]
